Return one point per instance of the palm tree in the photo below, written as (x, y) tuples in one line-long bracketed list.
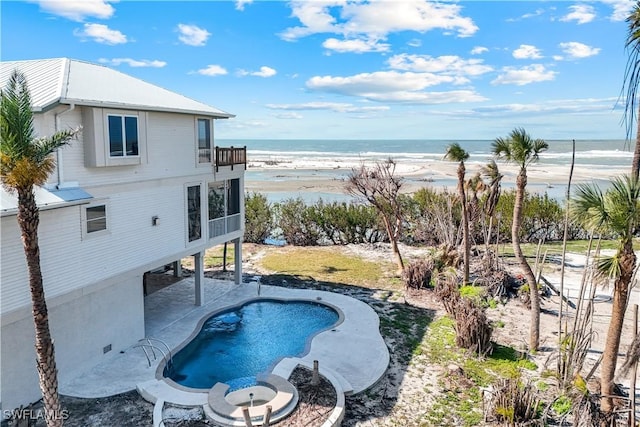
[(491, 172), (616, 212), (456, 153), (521, 149), (631, 82), (26, 161)]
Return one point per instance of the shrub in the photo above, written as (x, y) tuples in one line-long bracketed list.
[(513, 403), (297, 222), (417, 275), (473, 328), (258, 218)]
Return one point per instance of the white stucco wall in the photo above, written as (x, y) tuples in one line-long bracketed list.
[(81, 327)]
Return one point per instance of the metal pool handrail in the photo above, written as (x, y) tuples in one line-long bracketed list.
[(166, 356)]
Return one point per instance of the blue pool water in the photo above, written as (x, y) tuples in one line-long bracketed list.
[(234, 346)]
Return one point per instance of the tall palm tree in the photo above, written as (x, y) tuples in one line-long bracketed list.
[(631, 83), (456, 153), (519, 148), (617, 212), (27, 161)]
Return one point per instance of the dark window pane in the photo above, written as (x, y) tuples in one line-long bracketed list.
[(193, 212), (216, 200), (204, 141), (115, 136), (131, 130), (233, 200), (96, 218), (95, 212)]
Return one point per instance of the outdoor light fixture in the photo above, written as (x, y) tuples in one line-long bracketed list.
[(155, 220)]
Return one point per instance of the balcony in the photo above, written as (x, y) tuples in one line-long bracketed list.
[(231, 156), (224, 225)]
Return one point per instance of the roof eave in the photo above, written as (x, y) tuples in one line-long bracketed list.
[(102, 104)]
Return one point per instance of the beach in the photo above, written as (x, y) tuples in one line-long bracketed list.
[(313, 169)]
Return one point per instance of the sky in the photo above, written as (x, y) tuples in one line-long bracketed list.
[(363, 69)]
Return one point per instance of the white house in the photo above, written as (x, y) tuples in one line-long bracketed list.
[(144, 185)]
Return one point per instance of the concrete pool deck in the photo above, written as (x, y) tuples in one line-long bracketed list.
[(353, 351)]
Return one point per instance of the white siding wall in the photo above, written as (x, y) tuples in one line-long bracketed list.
[(170, 152), (93, 284)]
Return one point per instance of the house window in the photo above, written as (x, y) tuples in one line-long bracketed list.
[(94, 219), (204, 141), (194, 215), (123, 136)]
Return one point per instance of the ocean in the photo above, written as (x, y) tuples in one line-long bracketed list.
[(309, 161)]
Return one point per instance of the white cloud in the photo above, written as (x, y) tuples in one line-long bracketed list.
[(446, 65), (394, 86), (478, 50), (527, 51), (338, 107), (288, 116), (212, 70), (375, 19), (78, 10), (264, 72), (240, 4), (415, 42), (621, 8), (538, 12), (134, 62), (100, 33), (355, 45), (581, 13), (582, 106), (192, 35), (522, 76), (575, 50)]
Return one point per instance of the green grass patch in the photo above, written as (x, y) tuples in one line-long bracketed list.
[(474, 292), (325, 264), (562, 405), (214, 257)]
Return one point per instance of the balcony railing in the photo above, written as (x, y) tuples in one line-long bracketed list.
[(231, 156), (224, 225)]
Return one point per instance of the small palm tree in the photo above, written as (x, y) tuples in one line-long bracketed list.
[(519, 148), (616, 212), (26, 161), (456, 153), (631, 83), (491, 172)]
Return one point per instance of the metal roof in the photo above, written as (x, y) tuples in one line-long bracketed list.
[(45, 198), (69, 81)]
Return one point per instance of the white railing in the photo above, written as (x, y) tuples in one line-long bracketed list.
[(224, 225)]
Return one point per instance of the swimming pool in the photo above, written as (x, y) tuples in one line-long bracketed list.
[(234, 346)]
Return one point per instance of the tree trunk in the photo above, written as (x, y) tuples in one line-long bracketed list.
[(612, 344), (635, 164), (28, 219), (393, 238), (534, 327), (465, 224)]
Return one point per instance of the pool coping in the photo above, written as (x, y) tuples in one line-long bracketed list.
[(159, 374)]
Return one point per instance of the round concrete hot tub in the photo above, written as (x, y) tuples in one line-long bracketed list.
[(226, 407)]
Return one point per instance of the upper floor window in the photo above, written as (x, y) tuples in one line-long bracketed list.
[(123, 135), (204, 141)]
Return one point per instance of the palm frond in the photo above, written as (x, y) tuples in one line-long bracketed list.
[(588, 207), (609, 266), (456, 153)]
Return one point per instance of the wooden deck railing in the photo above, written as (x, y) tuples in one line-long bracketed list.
[(230, 156)]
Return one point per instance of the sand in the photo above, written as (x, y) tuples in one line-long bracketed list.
[(303, 175)]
